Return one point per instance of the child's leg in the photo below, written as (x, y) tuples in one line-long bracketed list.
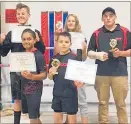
[(17, 105), (72, 119), (82, 103), (56, 106), (17, 111), (70, 105), (35, 121), (16, 94), (33, 102), (58, 118)]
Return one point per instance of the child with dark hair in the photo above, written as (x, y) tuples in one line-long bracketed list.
[(32, 83), (65, 91), (22, 15)]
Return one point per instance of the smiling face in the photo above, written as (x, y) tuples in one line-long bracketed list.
[(28, 40), (22, 15), (71, 23)]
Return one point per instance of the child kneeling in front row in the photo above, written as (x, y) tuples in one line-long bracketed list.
[(65, 91)]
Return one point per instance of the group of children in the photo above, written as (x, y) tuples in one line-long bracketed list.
[(69, 95), (27, 86)]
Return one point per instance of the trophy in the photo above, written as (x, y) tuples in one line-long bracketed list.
[(55, 63), (113, 43)]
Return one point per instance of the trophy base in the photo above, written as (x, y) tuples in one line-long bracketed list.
[(56, 73), (111, 50)]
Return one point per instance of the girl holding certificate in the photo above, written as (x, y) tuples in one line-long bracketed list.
[(72, 25), (32, 84), (22, 15)]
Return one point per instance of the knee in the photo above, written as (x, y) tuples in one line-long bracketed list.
[(103, 102), (120, 104), (17, 102)]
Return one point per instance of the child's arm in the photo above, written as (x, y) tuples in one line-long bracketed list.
[(31, 76), (6, 44), (52, 72), (50, 76), (40, 43), (84, 50), (2, 37), (79, 84)]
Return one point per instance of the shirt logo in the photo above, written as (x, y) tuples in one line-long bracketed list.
[(63, 64), (118, 38)]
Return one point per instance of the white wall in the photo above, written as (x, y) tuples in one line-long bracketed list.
[(89, 14)]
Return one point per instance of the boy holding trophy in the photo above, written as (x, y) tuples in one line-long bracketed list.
[(110, 45), (64, 92)]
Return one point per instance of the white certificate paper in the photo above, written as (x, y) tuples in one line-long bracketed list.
[(77, 39), (77, 70), (21, 61), (16, 33)]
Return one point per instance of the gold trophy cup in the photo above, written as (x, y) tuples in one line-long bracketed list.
[(55, 63), (113, 43)]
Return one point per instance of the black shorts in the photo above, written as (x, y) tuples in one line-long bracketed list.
[(15, 86), (65, 104), (33, 104)]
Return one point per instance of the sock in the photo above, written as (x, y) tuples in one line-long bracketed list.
[(17, 115)]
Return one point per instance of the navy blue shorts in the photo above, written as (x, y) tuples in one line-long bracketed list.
[(33, 104), (65, 104), (15, 86)]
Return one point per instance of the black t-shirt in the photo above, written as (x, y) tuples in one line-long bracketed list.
[(63, 87), (113, 66), (31, 86)]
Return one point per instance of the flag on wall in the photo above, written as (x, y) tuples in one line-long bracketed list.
[(10, 16), (51, 21)]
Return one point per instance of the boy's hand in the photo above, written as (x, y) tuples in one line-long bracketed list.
[(117, 52), (105, 56), (2, 37), (27, 75), (37, 37), (79, 84), (53, 70)]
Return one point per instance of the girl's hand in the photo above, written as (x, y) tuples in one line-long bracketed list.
[(79, 84), (27, 75), (2, 37), (37, 37), (84, 45)]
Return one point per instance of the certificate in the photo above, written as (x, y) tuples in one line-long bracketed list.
[(22, 61), (17, 32), (77, 70), (77, 39)]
